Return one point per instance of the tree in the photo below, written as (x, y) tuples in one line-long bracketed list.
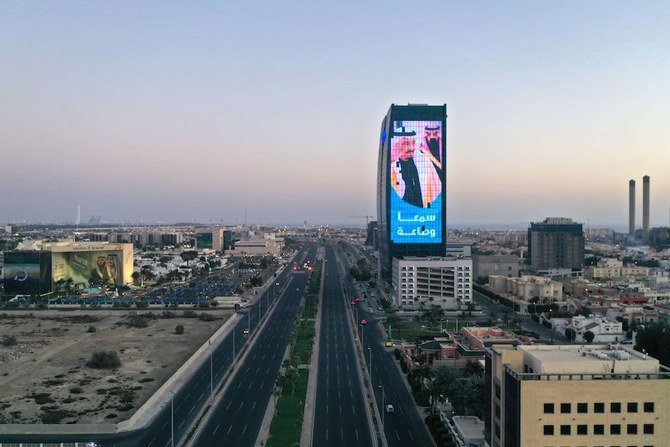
[(434, 391), (466, 397), (188, 255), (653, 338), (473, 369), (589, 336), (446, 377), (179, 329), (570, 334)]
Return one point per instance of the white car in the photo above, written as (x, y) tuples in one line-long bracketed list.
[(390, 409)]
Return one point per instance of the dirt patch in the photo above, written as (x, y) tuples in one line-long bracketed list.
[(44, 377)]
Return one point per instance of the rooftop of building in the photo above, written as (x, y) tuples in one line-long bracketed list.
[(471, 427), (602, 359)]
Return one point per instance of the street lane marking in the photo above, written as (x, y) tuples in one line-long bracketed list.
[(182, 423), (228, 406), (215, 430)]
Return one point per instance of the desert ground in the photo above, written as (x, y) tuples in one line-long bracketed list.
[(44, 376)]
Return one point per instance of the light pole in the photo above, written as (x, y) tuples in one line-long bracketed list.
[(249, 321), (211, 373), (362, 336), (383, 408), (233, 346), (172, 418), (370, 362)]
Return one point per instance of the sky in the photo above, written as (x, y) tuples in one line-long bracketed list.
[(210, 111)]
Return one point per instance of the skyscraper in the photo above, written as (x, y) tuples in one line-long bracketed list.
[(631, 207), (411, 184), (556, 246), (645, 208)]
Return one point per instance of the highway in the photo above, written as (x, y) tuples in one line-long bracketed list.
[(340, 418), (406, 426), (238, 414), (195, 393)]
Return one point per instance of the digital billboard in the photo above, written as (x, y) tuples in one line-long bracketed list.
[(416, 176), (90, 268), (26, 273)]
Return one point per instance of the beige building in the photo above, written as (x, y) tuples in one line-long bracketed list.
[(528, 287), (609, 272), (571, 395)]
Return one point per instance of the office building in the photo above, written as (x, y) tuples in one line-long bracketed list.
[(422, 283), (209, 239), (411, 184), (556, 247), (572, 395)]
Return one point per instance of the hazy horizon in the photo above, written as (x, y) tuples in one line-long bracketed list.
[(161, 111)]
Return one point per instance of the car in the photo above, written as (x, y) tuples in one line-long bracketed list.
[(389, 344), (390, 409), (246, 332)]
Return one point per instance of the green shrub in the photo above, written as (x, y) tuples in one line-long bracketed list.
[(138, 321), (179, 329), (91, 329), (104, 360), (8, 340)]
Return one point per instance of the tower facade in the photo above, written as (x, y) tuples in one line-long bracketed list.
[(556, 244), (631, 207), (645, 207), (411, 184)]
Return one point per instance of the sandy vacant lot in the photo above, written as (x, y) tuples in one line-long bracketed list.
[(43, 372)]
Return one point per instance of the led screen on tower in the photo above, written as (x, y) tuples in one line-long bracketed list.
[(416, 175)]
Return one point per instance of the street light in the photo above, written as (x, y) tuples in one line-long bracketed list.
[(383, 409), (370, 362), (211, 373), (171, 418)]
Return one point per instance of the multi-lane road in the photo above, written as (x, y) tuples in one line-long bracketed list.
[(237, 416), (340, 416)]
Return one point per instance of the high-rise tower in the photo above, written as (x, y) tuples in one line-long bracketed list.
[(645, 207), (631, 207), (411, 184)]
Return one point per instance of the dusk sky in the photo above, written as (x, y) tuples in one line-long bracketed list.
[(182, 111)]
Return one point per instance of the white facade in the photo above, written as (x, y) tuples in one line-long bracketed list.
[(604, 330), (421, 283)]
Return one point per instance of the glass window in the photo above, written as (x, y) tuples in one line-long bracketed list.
[(615, 429), (565, 430), (648, 407), (582, 407), (615, 407), (632, 407), (548, 430), (566, 408), (582, 430), (598, 429), (598, 407), (648, 429), (631, 429), (548, 408)]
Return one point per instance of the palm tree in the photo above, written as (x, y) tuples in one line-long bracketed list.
[(434, 391), (422, 372), (445, 377), (467, 397), (473, 369)]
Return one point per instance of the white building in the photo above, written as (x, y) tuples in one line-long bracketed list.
[(543, 289), (421, 283), (604, 330)]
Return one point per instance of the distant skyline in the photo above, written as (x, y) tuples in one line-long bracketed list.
[(174, 112)]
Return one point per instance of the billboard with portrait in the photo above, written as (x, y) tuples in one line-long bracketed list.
[(416, 176), (89, 268)]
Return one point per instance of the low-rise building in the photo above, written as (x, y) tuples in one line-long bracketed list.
[(527, 288), (542, 395)]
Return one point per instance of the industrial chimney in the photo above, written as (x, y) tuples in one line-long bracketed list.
[(645, 207), (631, 207)]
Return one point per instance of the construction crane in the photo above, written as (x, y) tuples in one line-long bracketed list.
[(367, 218)]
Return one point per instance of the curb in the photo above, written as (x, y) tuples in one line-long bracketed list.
[(307, 433)]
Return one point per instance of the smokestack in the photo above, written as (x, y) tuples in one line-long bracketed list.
[(631, 207), (77, 220), (645, 207)]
